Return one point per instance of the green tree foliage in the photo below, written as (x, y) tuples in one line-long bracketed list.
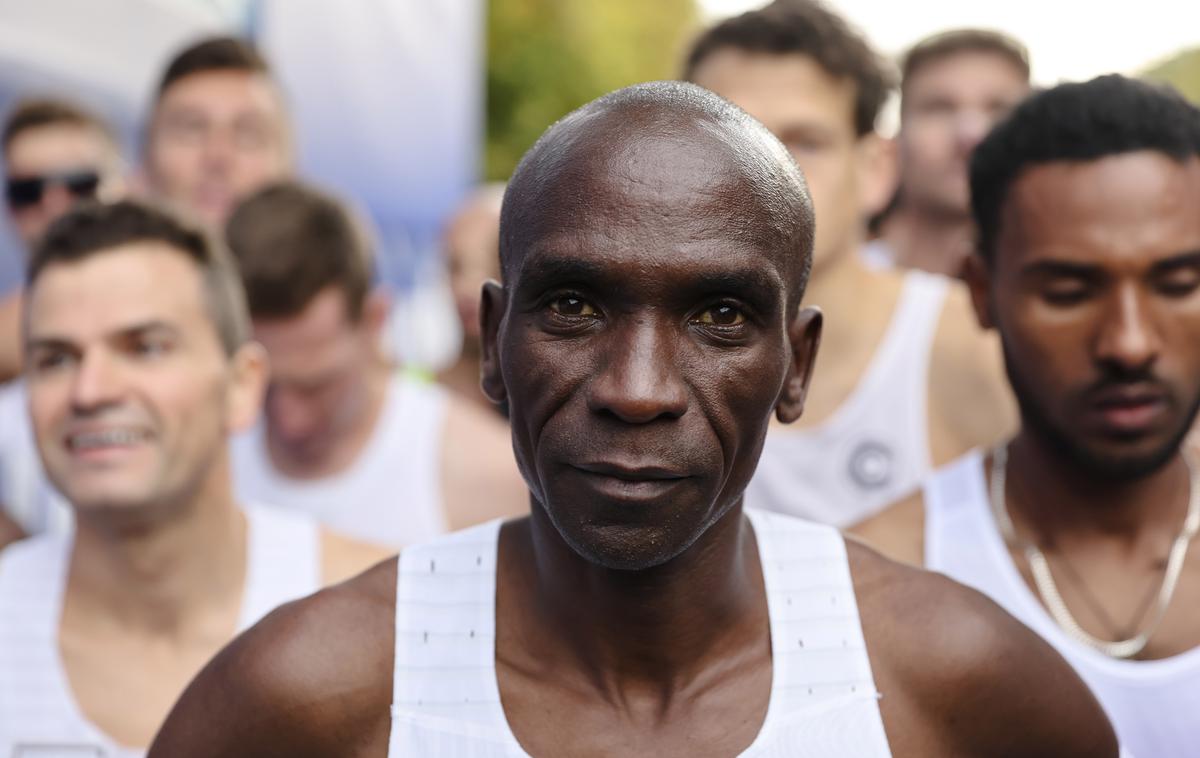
[(1181, 70), (547, 57)]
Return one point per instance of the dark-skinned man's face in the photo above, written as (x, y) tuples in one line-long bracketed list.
[(1095, 289), (643, 340)]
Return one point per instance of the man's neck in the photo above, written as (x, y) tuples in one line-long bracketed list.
[(157, 577), (1062, 502), (932, 242), (653, 630)]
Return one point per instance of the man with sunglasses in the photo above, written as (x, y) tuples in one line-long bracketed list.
[(55, 154)]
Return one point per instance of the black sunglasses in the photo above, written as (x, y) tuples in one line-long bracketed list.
[(28, 191)]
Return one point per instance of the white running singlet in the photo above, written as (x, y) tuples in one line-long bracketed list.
[(874, 449), (39, 717), (26, 495), (446, 700), (1152, 704), (391, 495)]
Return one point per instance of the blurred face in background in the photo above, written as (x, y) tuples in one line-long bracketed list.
[(50, 168), (812, 113), (215, 137), (472, 248), (131, 393), (948, 105), (321, 359)]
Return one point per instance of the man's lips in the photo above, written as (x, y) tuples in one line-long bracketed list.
[(631, 473), (1130, 409), (101, 440), (623, 481)]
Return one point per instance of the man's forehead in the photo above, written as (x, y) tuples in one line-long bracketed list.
[(1138, 205), (145, 281)]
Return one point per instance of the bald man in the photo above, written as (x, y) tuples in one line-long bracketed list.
[(655, 246)]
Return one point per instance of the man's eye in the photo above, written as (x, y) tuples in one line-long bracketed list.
[(721, 315), (1065, 296), (569, 305), (47, 362), (151, 348), (1180, 282)]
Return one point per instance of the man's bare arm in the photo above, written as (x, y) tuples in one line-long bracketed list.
[(959, 676), (312, 679), (10, 531)]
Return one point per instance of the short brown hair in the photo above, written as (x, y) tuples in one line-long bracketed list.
[(93, 228), (808, 28), (955, 41), (35, 113), (291, 241), (213, 54)]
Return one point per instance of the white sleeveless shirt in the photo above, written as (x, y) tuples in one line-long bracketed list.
[(38, 712), (446, 699), (874, 449), (391, 495), (1153, 705)]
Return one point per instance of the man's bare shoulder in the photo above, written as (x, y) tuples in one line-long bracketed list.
[(898, 531), (313, 678), (956, 672), (970, 403), (480, 479), (343, 557)]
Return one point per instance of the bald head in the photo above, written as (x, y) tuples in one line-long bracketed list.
[(671, 149)]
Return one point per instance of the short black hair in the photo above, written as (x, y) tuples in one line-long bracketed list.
[(1077, 122), (93, 228), (212, 54), (809, 28)]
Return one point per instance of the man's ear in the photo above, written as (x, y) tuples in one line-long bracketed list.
[(248, 386), (878, 173), (492, 304), (376, 308), (804, 334), (978, 277)]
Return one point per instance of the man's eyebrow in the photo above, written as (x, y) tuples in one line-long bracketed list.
[(1052, 268), (1182, 260), (52, 341), (542, 269)]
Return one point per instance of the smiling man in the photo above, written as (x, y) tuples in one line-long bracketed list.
[(1086, 200), (138, 368), (654, 246)]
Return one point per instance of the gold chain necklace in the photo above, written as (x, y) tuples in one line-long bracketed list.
[(1044, 580)]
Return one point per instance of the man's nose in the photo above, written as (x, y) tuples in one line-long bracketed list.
[(1128, 336), (97, 382), (970, 127), (640, 380)]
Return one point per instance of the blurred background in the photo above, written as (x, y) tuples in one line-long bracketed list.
[(403, 105)]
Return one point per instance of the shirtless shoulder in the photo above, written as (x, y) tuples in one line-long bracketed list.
[(313, 678), (897, 532), (970, 403), (956, 673)]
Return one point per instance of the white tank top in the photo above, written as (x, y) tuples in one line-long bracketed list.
[(391, 495), (1152, 704), (38, 713), (874, 449), (26, 495), (446, 700)]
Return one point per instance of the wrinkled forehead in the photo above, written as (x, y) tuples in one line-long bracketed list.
[(649, 190)]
